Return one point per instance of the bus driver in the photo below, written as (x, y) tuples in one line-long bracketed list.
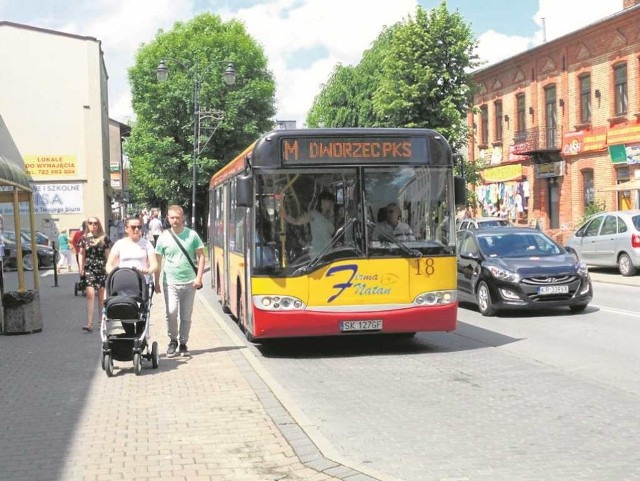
[(393, 227)]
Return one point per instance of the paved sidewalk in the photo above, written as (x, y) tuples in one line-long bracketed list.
[(206, 417)]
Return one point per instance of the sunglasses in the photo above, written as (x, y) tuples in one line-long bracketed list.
[(135, 227), (92, 223)]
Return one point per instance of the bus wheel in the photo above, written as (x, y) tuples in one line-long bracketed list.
[(242, 320)]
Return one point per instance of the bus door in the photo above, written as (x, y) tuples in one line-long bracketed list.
[(227, 226)]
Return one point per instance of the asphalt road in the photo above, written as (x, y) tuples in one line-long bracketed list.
[(541, 395)]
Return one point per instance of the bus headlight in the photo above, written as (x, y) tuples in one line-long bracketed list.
[(436, 298), (278, 303)]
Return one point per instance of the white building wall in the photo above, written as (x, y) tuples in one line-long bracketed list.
[(53, 98)]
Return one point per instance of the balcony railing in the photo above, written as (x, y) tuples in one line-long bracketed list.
[(536, 138)]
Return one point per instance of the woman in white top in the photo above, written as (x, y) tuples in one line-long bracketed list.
[(133, 251)]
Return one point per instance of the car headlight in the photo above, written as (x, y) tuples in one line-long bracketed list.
[(434, 298), (583, 270), (278, 303), (503, 274)]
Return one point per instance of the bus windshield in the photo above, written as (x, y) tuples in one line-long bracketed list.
[(306, 218)]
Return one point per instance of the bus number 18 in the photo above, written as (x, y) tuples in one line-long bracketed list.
[(426, 266)]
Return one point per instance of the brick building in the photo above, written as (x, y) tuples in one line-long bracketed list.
[(558, 127)]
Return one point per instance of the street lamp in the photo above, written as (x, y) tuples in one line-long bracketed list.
[(229, 78)]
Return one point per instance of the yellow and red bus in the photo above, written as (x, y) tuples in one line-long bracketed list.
[(277, 282)]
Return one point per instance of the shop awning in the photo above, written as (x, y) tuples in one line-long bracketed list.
[(629, 185), (12, 171)]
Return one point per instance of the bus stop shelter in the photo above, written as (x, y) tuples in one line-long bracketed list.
[(15, 188)]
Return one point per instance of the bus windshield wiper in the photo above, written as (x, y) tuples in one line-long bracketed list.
[(407, 250), (313, 262)]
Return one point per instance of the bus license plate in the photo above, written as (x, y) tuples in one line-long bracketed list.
[(553, 290), (349, 326)]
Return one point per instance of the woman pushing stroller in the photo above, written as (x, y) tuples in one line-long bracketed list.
[(133, 251)]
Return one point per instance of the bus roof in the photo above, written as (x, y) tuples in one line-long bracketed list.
[(234, 167)]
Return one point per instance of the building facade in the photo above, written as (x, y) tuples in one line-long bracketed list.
[(53, 98), (556, 129)]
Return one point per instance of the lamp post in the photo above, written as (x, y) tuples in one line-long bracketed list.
[(229, 77)]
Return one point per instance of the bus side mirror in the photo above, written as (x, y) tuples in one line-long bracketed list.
[(460, 191), (244, 191)]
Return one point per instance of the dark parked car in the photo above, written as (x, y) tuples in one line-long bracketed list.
[(45, 253), (609, 239), (519, 267), (41, 239)]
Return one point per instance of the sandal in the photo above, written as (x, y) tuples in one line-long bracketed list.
[(87, 328)]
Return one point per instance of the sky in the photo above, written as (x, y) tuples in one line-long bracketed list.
[(302, 39)]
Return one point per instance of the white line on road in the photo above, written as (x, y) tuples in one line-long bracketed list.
[(616, 311)]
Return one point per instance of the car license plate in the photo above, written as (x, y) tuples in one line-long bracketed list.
[(350, 326), (553, 290)]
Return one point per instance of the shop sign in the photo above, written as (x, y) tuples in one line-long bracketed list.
[(52, 199), (595, 139), (51, 166), (496, 155), (502, 173), (623, 134), (633, 154), (625, 154), (515, 151), (574, 143), (551, 169)]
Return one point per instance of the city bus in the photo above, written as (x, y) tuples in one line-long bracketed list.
[(279, 278)]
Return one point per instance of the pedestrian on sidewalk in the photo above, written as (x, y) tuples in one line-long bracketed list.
[(176, 248), (64, 250), (155, 227), (94, 250), (133, 250), (75, 241)]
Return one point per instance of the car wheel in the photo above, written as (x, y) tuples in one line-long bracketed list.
[(483, 297), (27, 262), (625, 266)]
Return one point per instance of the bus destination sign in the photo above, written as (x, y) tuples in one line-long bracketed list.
[(405, 150)]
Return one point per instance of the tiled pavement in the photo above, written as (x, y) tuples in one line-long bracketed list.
[(206, 417)]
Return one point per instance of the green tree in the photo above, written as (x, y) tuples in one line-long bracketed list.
[(417, 74), (160, 147), (346, 100)]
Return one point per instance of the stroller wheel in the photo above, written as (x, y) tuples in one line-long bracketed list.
[(154, 355), (107, 363), (137, 363)]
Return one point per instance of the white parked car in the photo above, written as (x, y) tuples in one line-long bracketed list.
[(609, 239)]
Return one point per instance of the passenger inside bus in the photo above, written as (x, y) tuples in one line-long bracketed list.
[(321, 221)]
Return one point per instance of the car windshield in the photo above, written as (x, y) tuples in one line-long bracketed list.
[(636, 221), (517, 245)]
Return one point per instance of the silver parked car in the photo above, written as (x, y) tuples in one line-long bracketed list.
[(609, 239), (481, 222)]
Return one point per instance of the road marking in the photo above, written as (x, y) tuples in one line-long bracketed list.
[(616, 311)]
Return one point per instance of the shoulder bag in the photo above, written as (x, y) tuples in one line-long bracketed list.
[(184, 251)]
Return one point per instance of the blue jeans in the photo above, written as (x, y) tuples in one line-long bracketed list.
[(178, 299)]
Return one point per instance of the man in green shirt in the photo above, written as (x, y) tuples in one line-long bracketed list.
[(180, 277)]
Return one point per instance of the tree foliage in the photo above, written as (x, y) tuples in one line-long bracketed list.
[(416, 74), (160, 147)]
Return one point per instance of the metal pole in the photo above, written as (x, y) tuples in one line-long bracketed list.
[(196, 141)]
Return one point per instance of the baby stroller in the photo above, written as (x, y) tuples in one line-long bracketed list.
[(80, 286), (124, 328)]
